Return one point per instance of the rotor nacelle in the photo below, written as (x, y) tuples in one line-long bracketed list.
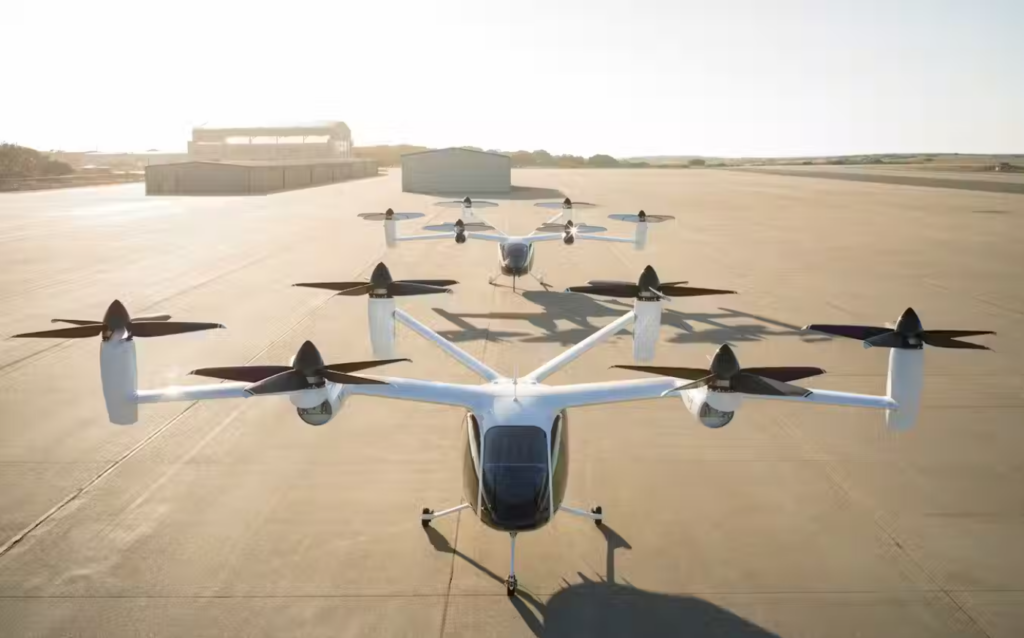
[(318, 407), (711, 409), (569, 234)]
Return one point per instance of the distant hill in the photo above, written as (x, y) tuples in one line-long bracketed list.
[(939, 161), (392, 156)]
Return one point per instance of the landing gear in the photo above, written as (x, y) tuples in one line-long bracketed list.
[(429, 514), (493, 278), (596, 514), (511, 583)]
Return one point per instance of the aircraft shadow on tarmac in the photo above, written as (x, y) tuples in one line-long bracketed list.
[(517, 193), (606, 608), (580, 310)]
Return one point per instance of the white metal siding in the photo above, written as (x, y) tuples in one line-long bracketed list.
[(210, 178), (456, 171)]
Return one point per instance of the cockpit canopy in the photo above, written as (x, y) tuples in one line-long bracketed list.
[(516, 486), (515, 256)]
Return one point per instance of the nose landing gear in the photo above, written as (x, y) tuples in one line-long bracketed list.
[(511, 583)]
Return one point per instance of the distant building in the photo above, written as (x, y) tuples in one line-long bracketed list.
[(310, 141), (241, 177), (456, 171)]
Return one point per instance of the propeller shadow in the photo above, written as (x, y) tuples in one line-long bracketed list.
[(728, 325), (606, 608)]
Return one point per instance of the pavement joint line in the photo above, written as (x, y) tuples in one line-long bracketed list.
[(828, 467), (49, 351), (10, 544), (39, 355), (20, 536), (208, 280)]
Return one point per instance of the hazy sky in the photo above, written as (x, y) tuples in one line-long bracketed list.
[(625, 77)]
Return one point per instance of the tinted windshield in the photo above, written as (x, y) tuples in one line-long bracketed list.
[(515, 468), (515, 255)]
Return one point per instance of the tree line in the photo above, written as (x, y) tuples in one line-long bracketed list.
[(23, 162), (392, 156)]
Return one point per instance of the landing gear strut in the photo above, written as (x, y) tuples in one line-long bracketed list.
[(596, 514), (512, 583), (429, 514)]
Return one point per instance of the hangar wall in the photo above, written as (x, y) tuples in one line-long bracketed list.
[(251, 178), (456, 171)]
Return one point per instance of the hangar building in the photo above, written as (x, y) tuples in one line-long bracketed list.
[(251, 178), (308, 141), (258, 160), (456, 171)]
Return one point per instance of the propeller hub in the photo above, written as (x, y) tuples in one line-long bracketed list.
[(567, 203), (725, 365), (116, 319), (909, 324), (648, 281), (381, 276), (389, 214), (308, 360)]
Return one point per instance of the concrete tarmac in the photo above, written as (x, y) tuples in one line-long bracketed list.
[(234, 518)]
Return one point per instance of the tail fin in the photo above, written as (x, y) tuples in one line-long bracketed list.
[(906, 380), (120, 380)]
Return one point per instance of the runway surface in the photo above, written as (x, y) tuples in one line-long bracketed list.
[(233, 518)]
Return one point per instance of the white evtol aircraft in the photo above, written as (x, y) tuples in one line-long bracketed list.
[(515, 253), (516, 458)]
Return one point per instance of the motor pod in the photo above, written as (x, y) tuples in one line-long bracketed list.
[(391, 233), (568, 237), (699, 401), (646, 328), (318, 408), (640, 235), (119, 375), (460, 231), (904, 385), (382, 326)]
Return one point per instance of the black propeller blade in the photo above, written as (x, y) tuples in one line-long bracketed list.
[(117, 321), (570, 227), (381, 285), (389, 215), (647, 287), (908, 334), (307, 371), (565, 204), (465, 202), (642, 217), (726, 375), (459, 226)]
